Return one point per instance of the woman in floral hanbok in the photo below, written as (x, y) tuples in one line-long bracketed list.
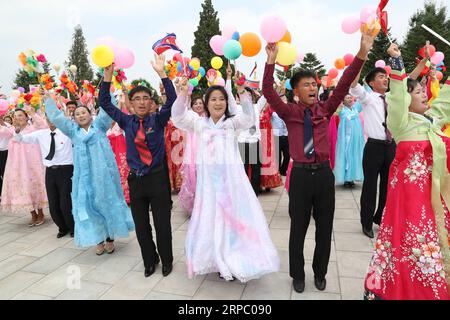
[(411, 260)]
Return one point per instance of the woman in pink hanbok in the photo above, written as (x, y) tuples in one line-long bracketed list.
[(24, 178)]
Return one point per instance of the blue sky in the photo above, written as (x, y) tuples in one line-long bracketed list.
[(46, 26)]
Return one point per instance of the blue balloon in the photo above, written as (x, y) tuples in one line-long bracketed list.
[(179, 67), (236, 36), (202, 71), (288, 85)]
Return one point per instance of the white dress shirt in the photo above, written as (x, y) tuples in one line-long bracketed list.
[(253, 135), (63, 146), (374, 113)]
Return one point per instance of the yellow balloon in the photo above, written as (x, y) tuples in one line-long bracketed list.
[(195, 64), (219, 74), (199, 77), (103, 56), (287, 54), (216, 63)]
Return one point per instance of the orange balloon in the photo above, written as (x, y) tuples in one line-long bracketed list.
[(287, 37), (339, 64), (251, 44)]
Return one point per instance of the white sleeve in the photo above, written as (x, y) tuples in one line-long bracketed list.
[(232, 105), (245, 119), (183, 118), (31, 138), (360, 93)]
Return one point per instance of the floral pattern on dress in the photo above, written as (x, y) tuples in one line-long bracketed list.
[(421, 250), (419, 168), (382, 265), (395, 174)]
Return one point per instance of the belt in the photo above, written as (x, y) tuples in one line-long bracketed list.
[(383, 142), (60, 167), (312, 166), (154, 170)]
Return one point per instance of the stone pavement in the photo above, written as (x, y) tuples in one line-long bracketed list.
[(36, 265)]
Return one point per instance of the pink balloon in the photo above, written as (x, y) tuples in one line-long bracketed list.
[(300, 57), (388, 70), (437, 58), (348, 58), (110, 42), (211, 73), (178, 57), (380, 64), (368, 13), (227, 32), (217, 42), (124, 58), (351, 25), (220, 82), (273, 28)]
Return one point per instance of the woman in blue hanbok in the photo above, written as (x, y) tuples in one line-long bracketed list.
[(350, 145), (99, 208)]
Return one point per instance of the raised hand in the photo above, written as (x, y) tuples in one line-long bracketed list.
[(158, 65), (29, 110), (272, 52), (108, 73), (184, 86), (427, 50), (367, 40), (394, 51), (229, 71)]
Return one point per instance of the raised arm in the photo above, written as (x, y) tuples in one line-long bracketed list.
[(30, 138), (399, 99), (441, 105), (103, 121), (56, 116), (422, 64), (182, 117), (232, 104), (350, 74), (278, 105)]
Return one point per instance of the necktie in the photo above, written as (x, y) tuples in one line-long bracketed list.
[(388, 133), (141, 145), (51, 154), (308, 135)]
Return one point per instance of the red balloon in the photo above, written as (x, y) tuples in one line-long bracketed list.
[(178, 57), (439, 75), (388, 70), (333, 73)]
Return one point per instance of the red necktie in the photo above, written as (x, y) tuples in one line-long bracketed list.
[(141, 145)]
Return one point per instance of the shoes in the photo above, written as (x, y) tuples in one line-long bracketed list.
[(100, 249), (299, 285), (40, 219), (149, 271), (220, 276), (320, 284), (349, 185), (71, 234), (60, 235), (166, 270), (109, 247), (368, 233), (33, 220)]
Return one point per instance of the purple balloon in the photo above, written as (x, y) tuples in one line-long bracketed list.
[(21, 89)]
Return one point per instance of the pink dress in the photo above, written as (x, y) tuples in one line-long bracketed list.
[(188, 172), (119, 147), (24, 179)]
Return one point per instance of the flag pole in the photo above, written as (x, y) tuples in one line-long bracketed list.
[(437, 35)]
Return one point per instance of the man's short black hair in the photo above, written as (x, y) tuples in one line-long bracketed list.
[(140, 89), (373, 74), (302, 74), (71, 102)]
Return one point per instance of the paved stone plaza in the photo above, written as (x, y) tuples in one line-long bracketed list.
[(36, 265)]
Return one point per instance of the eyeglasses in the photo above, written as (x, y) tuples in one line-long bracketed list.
[(139, 99)]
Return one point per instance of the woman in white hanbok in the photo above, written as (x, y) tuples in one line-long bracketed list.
[(228, 231)]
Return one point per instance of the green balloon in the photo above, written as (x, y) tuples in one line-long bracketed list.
[(194, 82), (232, 49)]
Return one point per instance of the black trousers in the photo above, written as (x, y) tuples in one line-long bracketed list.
[(58, 183), (3, 158), (250, 154), (282, 145), (377, 160), (145, 191), (311, 190)]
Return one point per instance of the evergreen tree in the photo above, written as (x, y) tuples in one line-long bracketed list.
[(310, 62), (433, 17), (207, 28), (24, 80), (378, 52), (78, 56)]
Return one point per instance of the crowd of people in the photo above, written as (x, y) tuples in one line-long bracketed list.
[(101, 171)]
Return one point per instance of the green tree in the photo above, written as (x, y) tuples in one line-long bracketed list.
[(207, 28), (24, 80), (78, 56), (378, 52), (434, 17), (310, 62), (145, 83)]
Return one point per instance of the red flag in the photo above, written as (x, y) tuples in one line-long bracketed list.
[(383, 15)]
